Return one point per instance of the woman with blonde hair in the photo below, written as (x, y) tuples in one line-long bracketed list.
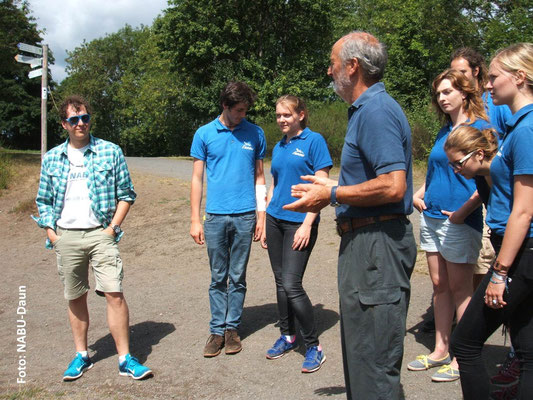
[(506, 293), (290, 235), (452, 247)]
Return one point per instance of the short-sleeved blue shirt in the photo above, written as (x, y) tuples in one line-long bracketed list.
[(498, 115), (514, 157), (377, 141), (302, 155), (446, 190), (230, 158)]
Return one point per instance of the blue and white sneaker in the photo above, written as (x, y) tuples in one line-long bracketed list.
[(132, 367), (77, 367), (313, 359), (280, 348)]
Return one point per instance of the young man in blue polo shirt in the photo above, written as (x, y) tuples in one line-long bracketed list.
[(231, 149)]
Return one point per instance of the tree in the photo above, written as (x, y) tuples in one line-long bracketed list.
[(132, 91), (20, 105), (95, 71), (501, 22), (276, 46), (420, 36)]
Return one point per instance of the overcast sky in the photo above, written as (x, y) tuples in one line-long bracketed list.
[(67, 22)]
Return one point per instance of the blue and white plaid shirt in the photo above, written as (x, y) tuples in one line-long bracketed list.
[(108, 180)]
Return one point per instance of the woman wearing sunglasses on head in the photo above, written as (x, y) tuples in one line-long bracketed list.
[(506, 293), (451, 245), (290, 235)]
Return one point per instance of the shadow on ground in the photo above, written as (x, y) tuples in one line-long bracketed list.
[(336, 390), (427, 338), (257, 317), (143, 336)]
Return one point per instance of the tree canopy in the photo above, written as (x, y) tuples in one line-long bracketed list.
[(152, 87), (20, 96)]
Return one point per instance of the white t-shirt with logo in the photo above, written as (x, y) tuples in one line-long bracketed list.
[(77, 212)]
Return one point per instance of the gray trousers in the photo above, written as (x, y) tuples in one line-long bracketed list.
[(375, 265)]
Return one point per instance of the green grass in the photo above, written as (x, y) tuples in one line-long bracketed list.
[(10, 151), (26, 393)]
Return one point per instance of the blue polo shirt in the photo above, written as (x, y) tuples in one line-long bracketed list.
[(498, 115), (514, 157), (377, 141), (302, 155), (446, 190), (230, 158)]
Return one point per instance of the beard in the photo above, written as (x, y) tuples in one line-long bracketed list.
[(341, 85)]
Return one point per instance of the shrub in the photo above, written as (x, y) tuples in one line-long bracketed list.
[(5, 170), (330, 119)]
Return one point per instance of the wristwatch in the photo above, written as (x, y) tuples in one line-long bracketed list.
[(116, 230), (333, 201)]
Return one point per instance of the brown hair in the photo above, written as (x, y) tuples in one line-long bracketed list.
[(475, 60), (297, 105), (472, 104), (467, 139), (235, 93), (77, 102)]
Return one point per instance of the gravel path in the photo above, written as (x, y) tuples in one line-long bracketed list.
[(166, 282)]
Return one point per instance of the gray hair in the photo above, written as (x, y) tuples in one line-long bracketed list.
[(371, 54)]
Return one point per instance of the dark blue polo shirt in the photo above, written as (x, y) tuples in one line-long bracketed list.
[(378, 141)]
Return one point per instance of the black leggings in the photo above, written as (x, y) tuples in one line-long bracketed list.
[(289, 266), (480, 321)]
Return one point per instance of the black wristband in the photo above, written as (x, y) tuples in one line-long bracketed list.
[(333, 201)]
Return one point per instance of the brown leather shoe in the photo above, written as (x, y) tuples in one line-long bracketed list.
[(233, 341), (214, 345)]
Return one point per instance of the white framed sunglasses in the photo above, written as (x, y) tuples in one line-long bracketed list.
[(457, 165)]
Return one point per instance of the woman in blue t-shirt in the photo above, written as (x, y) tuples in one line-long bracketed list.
[(470, 152), (291, 235), (506, 293), (452, 246)]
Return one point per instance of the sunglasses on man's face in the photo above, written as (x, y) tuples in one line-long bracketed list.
[(73, 121)]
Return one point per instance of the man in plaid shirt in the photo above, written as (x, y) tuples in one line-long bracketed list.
[(85, 192)]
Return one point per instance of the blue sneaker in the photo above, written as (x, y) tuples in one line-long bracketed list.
[(77, 367), (132, 367), (280, 348), (313, 359)]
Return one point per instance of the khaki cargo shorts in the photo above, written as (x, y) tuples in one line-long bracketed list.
[(76, 249), (486, 254)]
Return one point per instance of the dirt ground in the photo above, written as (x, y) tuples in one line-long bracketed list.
[(166, 282)]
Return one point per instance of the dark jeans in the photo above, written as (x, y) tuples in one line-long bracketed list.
[(289, 266), (480, 321)]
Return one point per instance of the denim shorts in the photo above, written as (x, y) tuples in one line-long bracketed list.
[(457, 243)]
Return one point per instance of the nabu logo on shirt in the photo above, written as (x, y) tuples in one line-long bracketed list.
[(247, 146), (77, 175), (298, 153)]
